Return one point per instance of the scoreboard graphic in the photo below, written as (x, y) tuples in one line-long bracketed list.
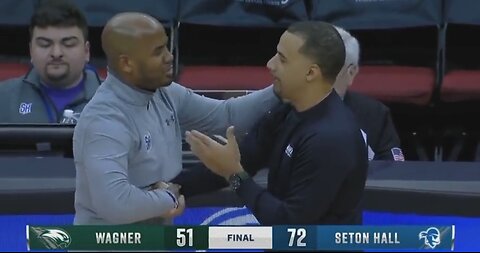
[(283, 238)]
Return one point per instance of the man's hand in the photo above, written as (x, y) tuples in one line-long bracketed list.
[(158, 185), (174, 212), (173, 188), (222, 159)]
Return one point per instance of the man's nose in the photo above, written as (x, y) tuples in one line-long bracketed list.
[(169, 57), (270, 64), (57, 51)]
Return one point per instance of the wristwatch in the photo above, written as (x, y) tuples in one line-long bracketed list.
[(236, 179)]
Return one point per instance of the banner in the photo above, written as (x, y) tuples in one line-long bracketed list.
[(260, 13), (379, 14), (288, 238)]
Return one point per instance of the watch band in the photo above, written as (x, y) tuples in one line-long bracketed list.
[(236, 179)]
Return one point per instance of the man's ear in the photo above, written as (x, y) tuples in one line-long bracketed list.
[(87, 51), (125, 64), (313, 72), (353, 70)]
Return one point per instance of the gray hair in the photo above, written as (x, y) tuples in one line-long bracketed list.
[(352, 47)]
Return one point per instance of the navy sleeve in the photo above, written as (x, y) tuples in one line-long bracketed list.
[(198, 180), (320, 165)]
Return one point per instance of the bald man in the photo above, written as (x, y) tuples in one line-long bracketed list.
[(129, 137)]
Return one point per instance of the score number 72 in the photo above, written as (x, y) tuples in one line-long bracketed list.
[(298, 234)]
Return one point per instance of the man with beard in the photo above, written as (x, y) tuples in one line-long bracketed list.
[(312, 145), (128, 141), (59, 78)]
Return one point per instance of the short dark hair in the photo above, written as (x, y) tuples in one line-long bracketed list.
[(58, 13), (323, 45)]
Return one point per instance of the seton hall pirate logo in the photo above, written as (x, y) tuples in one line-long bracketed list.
[(431, 237)]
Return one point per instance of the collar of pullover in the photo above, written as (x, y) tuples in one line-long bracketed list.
[(320, 108), (128, 93)]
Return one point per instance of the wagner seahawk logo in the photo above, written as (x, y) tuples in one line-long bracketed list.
[(431, 237), (52, 238)]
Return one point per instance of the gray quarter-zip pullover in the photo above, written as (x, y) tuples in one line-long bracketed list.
[(127, 139)]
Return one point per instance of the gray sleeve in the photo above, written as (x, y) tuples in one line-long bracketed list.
[(107, 144), (213, 116)]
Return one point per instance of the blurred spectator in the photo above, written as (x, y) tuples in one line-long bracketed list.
[(373, 116), (59, 78)]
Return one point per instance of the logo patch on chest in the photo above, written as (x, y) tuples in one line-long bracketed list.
[(289, 151), (147, 139), (25, 108)]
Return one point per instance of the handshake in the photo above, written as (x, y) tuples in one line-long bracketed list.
[(174, 191)]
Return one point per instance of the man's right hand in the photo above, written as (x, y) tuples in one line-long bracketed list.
[(175, 189), (174, 212)]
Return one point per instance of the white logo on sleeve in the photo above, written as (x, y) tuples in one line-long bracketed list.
[(397, 154), (25, 108), (371, 154)]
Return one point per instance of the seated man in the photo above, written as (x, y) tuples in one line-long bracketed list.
[(59, 79), (373, 116)]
